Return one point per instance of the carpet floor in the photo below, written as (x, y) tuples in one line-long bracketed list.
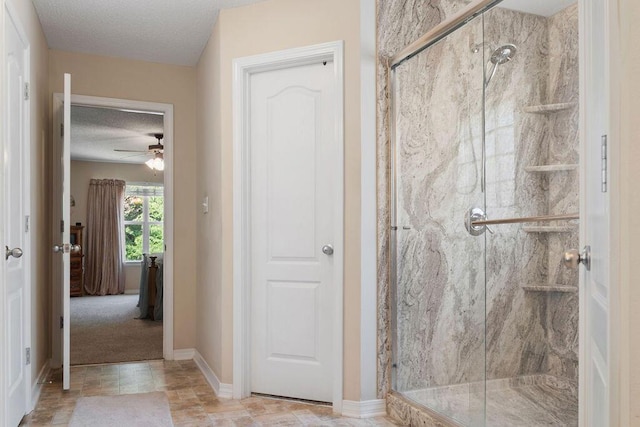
[(105, 330)]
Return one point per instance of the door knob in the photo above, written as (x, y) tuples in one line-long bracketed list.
[(572, 258), (62, 248), (15, 252), (75, 248), (327, 250)]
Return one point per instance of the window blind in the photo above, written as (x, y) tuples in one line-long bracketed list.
[(144, 189)]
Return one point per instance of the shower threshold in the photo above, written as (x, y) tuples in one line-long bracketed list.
[(533, 400)]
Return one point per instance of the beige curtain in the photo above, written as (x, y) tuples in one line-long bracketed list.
[(104, 267)]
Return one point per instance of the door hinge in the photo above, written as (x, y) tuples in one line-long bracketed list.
[(61, 129), (61, 322), (27, 356), (26, 223), (26, 91), (62, 225), (603, 157)]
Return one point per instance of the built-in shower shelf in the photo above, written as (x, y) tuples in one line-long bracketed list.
[(548, 108), (549, 229), (551, 168), (556, 288)]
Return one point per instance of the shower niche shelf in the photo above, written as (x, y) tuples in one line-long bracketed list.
[(551, 168), (555, 288), (548, 108), (549, 229)]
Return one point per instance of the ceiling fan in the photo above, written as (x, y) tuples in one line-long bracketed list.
[(153, 148), (156, 150)]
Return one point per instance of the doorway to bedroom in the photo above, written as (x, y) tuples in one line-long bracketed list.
[(118, 219)]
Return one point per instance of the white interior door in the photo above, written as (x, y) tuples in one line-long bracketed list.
[(595, 290), (293, 160), (64, 248), (16, 233)]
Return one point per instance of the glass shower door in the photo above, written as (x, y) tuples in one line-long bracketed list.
[(437, 266)]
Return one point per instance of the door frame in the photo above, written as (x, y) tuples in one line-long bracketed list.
[(243, 68), (10, 12), (167, 301)]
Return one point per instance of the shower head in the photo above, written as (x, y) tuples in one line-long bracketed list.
[(499, 56), (503, 54)]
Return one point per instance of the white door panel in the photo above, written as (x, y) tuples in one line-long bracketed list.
[(293, 154), (15, 144), (595, 292), (66, 219)]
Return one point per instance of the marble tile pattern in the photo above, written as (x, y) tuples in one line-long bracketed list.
[(191, 399), (399, 22), (440, 292), (563, 191), (516, 320), (440, 267), (519, 401)]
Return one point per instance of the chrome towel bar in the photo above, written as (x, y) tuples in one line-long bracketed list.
[(526, 219)]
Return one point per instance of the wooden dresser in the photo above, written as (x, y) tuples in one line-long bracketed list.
[(77, 266)]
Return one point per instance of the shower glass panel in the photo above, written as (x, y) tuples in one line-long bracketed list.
[(439, 358), (531, 135), (486, 325)]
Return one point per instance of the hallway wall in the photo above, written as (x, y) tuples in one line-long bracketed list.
[(145, 81), (266, 27)]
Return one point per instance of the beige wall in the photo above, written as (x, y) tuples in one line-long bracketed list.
[(40, 329), (209, 298), (83, 172), (265, 27), (626, 205), (146, 81)]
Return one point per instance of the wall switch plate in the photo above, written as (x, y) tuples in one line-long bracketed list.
[(205, 204)]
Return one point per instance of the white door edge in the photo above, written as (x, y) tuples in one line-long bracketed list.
[(12, 13), (368, 205), (167, 301), (242, 69), (615, 349)]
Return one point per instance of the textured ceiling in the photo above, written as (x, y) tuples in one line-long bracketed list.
[(165, 31), (96, 132), (537, 7)]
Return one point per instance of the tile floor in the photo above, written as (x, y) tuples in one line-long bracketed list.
[(192, 401)]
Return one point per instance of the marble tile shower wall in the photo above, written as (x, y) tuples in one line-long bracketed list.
[(563, 191), (531, 332), (440, 304), (399, 22), (516, 320), (440, 267)]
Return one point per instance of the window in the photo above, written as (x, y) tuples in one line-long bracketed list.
[(143, 216)]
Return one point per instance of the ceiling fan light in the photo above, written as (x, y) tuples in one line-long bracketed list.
[(159, 163)]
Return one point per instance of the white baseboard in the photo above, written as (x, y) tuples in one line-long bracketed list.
[(222, 390), (364, 408), (36, 388), (184, 354)]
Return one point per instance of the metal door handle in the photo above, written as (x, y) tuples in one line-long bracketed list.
[(327, 250), (15, 252), (66, 248), (572, 258)]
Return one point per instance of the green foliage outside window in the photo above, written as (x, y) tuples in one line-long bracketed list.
[(143, 229)]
